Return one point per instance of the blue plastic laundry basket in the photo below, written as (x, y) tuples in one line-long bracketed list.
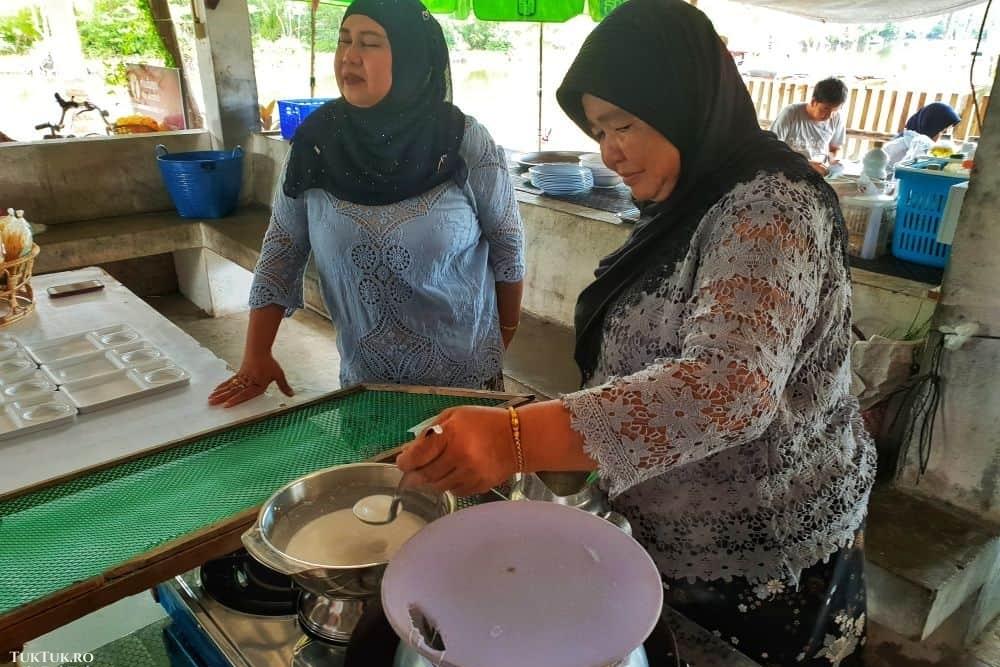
[(202, 184), (919, 209), (292, 112)]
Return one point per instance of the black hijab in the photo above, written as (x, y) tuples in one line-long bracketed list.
[(403, 146), (662, 61)]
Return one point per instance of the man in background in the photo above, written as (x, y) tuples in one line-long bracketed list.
[(816, 129)]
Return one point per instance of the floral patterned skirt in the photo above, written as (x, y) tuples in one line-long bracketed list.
[(821, 623)]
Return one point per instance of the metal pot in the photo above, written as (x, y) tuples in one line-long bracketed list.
[(346, 588), (332, 619), (567, 488)]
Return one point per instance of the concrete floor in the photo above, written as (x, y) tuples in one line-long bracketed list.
[(538, 362), (887, 649), (305, 346)]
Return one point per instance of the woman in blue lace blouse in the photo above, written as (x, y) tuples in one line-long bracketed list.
[(408, 210)]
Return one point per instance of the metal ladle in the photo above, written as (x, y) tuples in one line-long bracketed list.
[(379, 509)]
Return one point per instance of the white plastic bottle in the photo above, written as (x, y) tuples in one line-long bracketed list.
[(969, 148), (875, 162)]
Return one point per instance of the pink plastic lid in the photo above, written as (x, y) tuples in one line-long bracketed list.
[(522, 583)]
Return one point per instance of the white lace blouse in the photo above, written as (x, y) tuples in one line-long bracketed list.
[(720, 412)]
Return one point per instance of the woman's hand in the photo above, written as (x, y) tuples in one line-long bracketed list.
[(474, 453), (507, 334), (819, 168), (255, 375), (509, 309)]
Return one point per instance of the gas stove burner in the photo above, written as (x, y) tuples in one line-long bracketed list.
[(329, 619), (241, 583), (311, 652), (372, 642)]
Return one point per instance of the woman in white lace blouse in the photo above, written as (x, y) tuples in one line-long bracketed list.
[(408, 210), (714, 349)]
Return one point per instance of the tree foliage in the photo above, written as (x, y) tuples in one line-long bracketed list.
[(328, 20), (117, 32), (121, 29), (18, 32), (271, 20), (484, 35), (889, 32), (937, 32)]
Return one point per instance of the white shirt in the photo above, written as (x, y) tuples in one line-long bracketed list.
[(907, 145), (807, 136)]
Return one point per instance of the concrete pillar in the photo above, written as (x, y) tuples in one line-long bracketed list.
[(214, 284), (225, 63), (964, 467)]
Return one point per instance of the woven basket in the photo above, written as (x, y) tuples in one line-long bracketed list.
[(17, 299)]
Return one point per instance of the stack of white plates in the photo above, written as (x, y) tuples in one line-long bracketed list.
[(603, 176), (561, 179)]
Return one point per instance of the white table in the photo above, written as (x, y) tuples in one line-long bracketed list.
[(119, 431)]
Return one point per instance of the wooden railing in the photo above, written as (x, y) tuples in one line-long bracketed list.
[(874, 113)]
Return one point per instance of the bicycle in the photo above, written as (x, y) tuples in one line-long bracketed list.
[(77, 108)]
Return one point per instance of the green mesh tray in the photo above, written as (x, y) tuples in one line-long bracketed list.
[(71, 532)]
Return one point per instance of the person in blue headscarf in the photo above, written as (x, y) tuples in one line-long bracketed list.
[(922, 130), (933, 119)]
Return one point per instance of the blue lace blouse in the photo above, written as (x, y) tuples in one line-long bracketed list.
[(411, 286)]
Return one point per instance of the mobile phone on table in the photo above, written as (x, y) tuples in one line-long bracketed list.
[(69, 289)]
